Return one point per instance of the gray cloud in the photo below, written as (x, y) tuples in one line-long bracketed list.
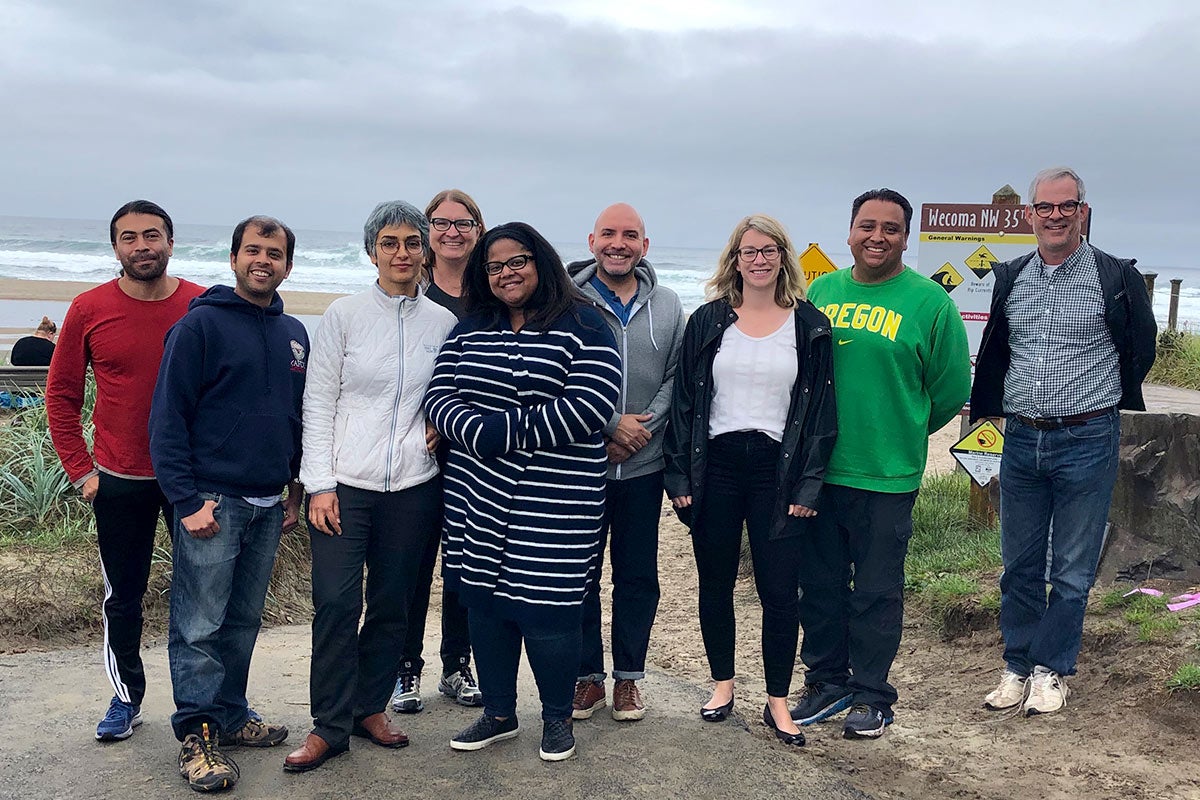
[(315, 111)]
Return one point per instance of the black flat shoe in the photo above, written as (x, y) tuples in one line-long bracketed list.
[(794, 739), (717, 714)]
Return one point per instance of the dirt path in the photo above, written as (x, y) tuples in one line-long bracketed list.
[(1120, 737)]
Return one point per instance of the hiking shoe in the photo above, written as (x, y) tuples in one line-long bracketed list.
[(255, 733), (462, 687), (589, 695), (865, 722), (1009, 694), (406, 697), (627, 701), (558, 740), (119, 721), (1048, 692), (206, 768), (484, 731), (820, 701)]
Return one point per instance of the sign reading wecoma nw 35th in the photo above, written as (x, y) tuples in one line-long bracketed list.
[(959, 244), (971, 218)]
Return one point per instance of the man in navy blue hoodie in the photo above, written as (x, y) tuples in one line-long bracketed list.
[(225, 441)]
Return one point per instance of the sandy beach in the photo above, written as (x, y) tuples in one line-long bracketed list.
[(305, 303)]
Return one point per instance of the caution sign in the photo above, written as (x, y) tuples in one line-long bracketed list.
[(980, 262), (948, 277), (815, 263), (979, 452)]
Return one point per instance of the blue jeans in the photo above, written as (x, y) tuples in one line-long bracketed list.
[(1064, 476), (553, 656), (218, 587)]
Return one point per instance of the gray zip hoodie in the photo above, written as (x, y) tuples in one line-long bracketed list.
[(649, 347)]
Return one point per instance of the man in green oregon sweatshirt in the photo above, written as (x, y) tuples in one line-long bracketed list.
[(901, 371)]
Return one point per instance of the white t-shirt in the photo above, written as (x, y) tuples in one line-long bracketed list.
[(752, 381)]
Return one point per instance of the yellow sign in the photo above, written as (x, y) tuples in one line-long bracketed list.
[(980, 262), (948, 277), (815, 263), (986, 438)]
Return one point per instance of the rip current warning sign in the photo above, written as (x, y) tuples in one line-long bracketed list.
[(979, 452)]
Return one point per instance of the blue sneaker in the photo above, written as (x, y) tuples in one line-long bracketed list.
[(865, 722), (820, 701), (119, 722)]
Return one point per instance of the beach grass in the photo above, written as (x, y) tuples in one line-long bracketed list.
[(1178, 360)]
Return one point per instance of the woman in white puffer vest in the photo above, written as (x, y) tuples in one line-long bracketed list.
[(375, 496)]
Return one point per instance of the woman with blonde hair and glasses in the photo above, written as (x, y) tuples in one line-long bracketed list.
[(752, 426), (455, 225)]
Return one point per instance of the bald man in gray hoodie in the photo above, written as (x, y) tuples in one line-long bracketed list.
[(647, 321)]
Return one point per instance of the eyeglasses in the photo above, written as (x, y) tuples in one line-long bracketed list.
[(1067, 209), (461, 225), (516, 264), (391, 246), (750, 253)]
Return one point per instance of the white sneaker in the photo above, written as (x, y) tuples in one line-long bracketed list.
[(1009, 694), (1048, 692)]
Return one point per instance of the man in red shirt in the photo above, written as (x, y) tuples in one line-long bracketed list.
[(118, 329)]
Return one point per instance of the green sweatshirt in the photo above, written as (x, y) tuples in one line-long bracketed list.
[(902, 370)]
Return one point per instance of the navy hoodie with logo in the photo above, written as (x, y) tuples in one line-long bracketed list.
[(226, 411)]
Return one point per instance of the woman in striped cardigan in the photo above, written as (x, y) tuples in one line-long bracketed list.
[(522, 390)]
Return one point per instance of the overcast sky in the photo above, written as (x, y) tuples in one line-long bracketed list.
[(696, 112)]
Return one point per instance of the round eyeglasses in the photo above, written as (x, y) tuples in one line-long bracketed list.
[(390, 246), (1067, 209)]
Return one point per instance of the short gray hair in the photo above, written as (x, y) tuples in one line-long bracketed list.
[(1053, 174), (394, 212)]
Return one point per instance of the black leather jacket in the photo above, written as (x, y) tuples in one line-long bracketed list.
[(812, 418), (1127, 314)]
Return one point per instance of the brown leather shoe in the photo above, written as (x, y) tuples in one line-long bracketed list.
[(379, 730), (627, 701), (589, 695), (313, 753)]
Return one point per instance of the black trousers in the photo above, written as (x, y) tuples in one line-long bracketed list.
[(456, 635), (632, 508), (353, 670), (740, 489), (127, 514), (552, 650), (852, 590)]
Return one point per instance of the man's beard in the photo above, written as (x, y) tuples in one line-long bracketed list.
[(145, 271)]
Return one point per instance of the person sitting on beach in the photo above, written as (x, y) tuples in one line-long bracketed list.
[(375, 495), (455, 223), (522, 390), (117, 330), (35, 350), (752, 425)]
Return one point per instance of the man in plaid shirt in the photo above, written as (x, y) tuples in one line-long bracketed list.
[(1070, 337)]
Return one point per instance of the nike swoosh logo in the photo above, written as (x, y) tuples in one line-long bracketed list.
[(845, 341)]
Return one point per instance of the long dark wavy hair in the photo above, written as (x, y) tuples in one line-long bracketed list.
[(554, 296)]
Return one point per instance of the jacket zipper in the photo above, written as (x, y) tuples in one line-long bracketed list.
[(387, 478)]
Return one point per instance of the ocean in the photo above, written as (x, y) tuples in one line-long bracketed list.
[(333, 261)]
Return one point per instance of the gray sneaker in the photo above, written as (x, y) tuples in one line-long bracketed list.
[(406, 697), (461, 686)]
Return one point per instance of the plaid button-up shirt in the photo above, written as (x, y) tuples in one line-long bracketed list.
[(1063, 358)]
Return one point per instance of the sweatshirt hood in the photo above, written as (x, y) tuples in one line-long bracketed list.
[(220, 295)]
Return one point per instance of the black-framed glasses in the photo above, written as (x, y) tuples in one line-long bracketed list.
[(750, 253), (461, 225), (1067, 209), (516, 264), (390, 246)]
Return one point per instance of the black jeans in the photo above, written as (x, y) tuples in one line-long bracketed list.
[(553, 654), (631, 511), (126, 520), (852, 633), (740, 488), (353, 671), (456, 636)]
